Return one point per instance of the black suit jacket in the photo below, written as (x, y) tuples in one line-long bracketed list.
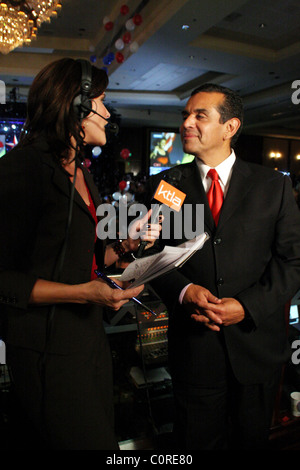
[(34, 205), (254, 256)]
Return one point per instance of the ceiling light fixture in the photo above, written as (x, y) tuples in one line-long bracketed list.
[(185, 27), (20, 19)]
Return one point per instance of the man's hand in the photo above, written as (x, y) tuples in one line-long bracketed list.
[(207, 309), (229, 312), (200, 303)]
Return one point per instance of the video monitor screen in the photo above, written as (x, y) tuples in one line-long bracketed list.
[(294, 314), (166, 151), (10, 130)]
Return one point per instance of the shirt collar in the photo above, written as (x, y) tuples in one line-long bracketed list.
[(223, 169)]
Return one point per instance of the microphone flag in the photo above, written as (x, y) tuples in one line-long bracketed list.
[(169, 195)]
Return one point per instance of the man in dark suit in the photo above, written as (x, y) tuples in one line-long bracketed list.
[(227, 329)]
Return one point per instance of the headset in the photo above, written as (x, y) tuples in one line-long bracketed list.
[(82, 102)]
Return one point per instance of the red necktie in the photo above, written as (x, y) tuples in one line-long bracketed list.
[(215, 195)]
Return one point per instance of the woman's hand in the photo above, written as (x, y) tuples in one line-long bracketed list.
[(92, 292), (141, 230), (138, 230), (100, 293)]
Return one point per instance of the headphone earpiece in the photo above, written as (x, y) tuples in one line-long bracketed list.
[(78, 103), (82, 103), (84, 97)]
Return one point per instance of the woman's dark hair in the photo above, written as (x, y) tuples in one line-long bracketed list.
[(50, 110), (232, 106)]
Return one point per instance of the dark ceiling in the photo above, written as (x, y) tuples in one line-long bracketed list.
[(251, 46)]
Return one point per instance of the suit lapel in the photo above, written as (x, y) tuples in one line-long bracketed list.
[(192, 186), (62, 182), (91, 186), (240, 185)]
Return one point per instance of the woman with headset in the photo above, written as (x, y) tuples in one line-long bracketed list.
[(56, 347)]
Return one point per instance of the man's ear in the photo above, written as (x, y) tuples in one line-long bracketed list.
[(232, 126)]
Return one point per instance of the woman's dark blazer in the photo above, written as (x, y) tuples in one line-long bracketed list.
[(34, 205)]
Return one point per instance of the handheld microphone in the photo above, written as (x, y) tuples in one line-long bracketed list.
[(111, 126), (168, 195)]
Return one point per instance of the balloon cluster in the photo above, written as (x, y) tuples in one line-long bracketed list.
[(124, 42), (122, 196)]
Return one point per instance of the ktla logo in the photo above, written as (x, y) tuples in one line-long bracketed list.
[(169, 195)]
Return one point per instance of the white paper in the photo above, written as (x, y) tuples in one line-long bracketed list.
[(143, 270)]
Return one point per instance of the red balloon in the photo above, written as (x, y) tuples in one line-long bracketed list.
[(122, 185), (109, 26), (127, 37), (124, 9), (125, 153), (119, 57), (137, 19), (87, 163)]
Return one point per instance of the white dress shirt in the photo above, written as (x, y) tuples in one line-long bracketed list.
[(224, 171)]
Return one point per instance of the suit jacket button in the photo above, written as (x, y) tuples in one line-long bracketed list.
[(217, 241), (220, 281)]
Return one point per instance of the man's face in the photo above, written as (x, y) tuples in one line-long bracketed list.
[(202, 134)]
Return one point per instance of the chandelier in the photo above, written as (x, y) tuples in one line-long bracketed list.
[(20, 19)]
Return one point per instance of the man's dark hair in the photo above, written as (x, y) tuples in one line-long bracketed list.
[(232, 107)]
